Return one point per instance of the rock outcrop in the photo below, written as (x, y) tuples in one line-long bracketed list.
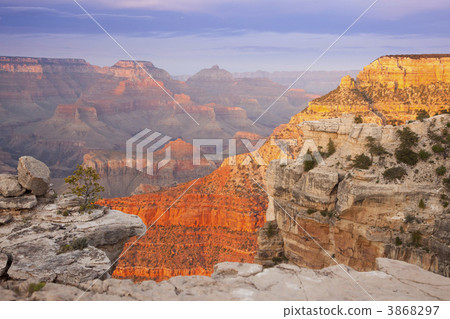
[(46, 238), (392, 89), (357, 215), (393, 280)]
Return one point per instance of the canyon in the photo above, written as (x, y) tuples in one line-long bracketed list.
[(242, 179), (66, 111)]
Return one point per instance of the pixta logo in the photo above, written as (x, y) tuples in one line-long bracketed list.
[(146, 140), (141, 147)]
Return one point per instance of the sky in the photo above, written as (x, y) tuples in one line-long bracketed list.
[(184, 36)]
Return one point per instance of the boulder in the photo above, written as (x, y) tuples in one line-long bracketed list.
[(34, 175), (10, 186), (22, 202), (5, 263)]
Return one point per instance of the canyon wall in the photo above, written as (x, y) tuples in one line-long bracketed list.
[(338, 211), (215, 220), (392, 89)]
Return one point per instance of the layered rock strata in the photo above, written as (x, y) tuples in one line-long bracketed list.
[(357, 215)]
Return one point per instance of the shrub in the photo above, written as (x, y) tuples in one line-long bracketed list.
[(358, 119), (441, 170), (394, 173), (438, 148), (407, 137), (309, 165), (424, 155), (398, 241), (77, 244), (374, 147), (421, 204), (83, 183), (324, 213), (446, 182), (310, 211), (409, 219), (421, 115), (407, 156), (415, 238), (35, 287), (362, 161), (271, 230), (330, 147)]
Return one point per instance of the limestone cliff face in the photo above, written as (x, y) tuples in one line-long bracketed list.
[(391, 89), (357, 215), (402, 71)]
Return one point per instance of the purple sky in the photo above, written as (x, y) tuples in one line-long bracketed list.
[(184, 36)]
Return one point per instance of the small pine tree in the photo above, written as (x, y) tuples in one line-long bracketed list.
[(415, 238), (331, 148), (421, 204), (83, 183)]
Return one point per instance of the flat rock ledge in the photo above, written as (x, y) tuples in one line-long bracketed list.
[(395, 280), (54, 242)]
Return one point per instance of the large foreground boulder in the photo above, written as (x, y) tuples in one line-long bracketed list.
[(10, 186), (34, 175)]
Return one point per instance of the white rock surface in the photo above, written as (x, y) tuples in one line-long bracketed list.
[(18, 203), (35, 238), (395, 280)]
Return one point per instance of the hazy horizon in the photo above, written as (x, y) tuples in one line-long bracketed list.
[(184, 37)]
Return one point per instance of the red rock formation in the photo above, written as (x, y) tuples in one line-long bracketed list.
[(216, 220), (161, 254)]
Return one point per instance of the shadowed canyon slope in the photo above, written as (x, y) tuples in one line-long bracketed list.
[(59, 110), (202, 204)]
